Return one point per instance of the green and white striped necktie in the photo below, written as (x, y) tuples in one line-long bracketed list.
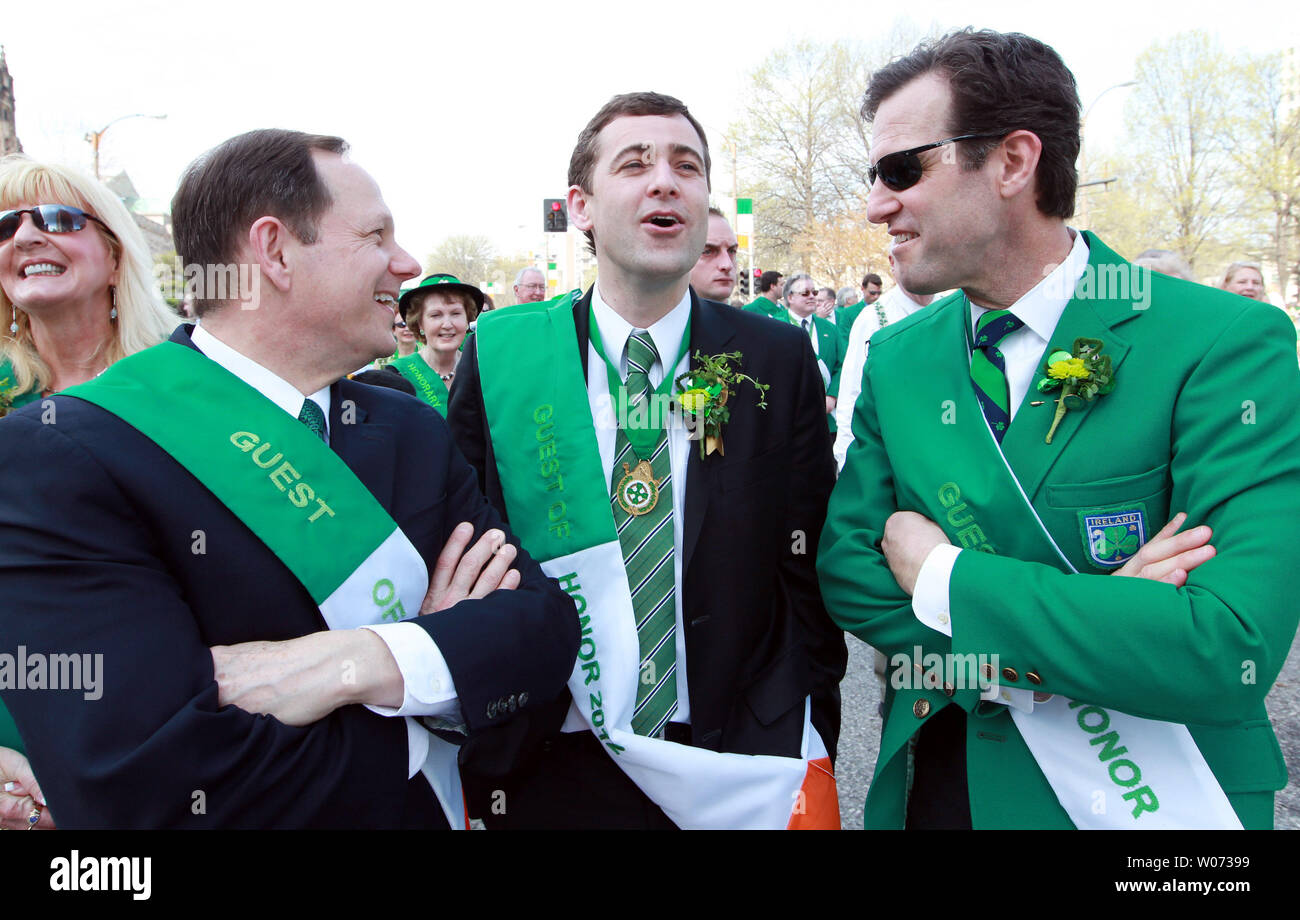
[(647, 543)]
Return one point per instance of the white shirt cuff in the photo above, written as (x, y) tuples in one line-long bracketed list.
[(417, 746), (428, 688), (930, 599)]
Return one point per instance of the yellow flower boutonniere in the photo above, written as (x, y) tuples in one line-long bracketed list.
[(703, 391), (1081, 375)]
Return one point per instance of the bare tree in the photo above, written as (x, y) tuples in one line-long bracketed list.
[(469, 258)]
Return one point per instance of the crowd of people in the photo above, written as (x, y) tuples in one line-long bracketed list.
[(589, 562)]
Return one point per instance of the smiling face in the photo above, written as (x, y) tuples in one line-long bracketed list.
[(648, 201), (945, 226), (42, 272), (531, 287), (714, 276), (443, 322), (351, 275), (1247, 282)]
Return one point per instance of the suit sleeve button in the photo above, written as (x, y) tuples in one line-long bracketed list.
[(921, 708), (1010, 675), (1033, 677)]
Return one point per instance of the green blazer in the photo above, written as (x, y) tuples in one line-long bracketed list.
[(844, 317), (828, 351), (1204, 417), (764, 307)]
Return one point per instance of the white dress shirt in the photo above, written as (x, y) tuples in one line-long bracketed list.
[(428, 685), (896, 305), (1040, 309), (667, 335)]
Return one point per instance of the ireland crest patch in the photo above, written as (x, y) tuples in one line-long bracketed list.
[(1114, 537)]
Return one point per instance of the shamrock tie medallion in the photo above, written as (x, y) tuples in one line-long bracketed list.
[(638, 490)]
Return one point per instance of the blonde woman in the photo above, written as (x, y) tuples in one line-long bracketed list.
[(76, 294)]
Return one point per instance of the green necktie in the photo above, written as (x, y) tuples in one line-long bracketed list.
[(647, 543), (988, 369), (311, 415)]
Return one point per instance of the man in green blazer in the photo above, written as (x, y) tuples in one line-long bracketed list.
[(765, 304), (800, 292), (979, 537)]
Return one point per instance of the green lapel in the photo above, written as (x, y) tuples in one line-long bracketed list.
[(1091, 313)]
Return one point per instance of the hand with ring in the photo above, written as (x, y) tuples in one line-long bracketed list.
[(22, 805)]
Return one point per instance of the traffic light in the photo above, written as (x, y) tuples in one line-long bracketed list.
[(555, 216), (743, 281)]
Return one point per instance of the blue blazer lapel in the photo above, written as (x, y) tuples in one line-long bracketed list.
[(366, 447), (711, 330)]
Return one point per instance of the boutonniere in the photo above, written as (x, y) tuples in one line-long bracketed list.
[(703, 392), (1080, 375)]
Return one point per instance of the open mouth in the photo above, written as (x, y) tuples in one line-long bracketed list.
[(663, 221), (387, 301)]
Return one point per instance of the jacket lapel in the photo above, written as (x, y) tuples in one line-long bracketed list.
[(367, 448), (711, 330), (1087, 315)]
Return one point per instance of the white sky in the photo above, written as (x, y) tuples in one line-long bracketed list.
[(466, 112)]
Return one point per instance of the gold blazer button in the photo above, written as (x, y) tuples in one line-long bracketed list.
[(921, 708)]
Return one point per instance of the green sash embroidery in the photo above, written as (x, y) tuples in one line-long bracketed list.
[(271, 471), (428, 384)]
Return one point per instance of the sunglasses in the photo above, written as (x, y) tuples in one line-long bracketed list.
[(399, 324), (903, 169), (51, 218)]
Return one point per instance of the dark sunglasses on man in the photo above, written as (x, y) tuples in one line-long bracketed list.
[(902, 170), (51, 218)]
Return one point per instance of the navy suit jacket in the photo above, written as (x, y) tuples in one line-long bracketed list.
[(108, 546), (758, 638)]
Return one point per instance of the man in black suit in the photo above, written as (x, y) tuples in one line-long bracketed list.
[(750, 649), (110, 545)]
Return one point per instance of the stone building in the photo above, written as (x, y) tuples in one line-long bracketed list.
[(8, 132)]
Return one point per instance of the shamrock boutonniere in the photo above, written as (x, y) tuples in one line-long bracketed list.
[(703, 392), (1081, 375)]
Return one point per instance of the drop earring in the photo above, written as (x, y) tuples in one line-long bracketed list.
[(112, 314), (13, 326)]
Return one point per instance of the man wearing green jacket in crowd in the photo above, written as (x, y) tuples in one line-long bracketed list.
[(845, 315), (765, 304), (1014, 446)]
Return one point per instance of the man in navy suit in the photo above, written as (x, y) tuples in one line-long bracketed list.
[(109, 545), (754, 650)]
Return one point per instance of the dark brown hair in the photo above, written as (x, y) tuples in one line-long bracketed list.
[(583, 160), (1000, 83), (262, 173)]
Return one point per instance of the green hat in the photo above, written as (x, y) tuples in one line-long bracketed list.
[(441, 279)]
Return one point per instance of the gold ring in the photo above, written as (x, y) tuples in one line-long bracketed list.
[(34, 817)]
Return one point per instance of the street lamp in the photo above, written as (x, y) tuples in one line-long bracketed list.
[(94, 137), (1083, 147)]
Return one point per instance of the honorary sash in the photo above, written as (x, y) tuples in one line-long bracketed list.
[(559, 505), (428, 383), (294, 493)]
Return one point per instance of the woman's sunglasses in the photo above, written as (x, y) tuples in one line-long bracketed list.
[(903, 169), (51, 218)]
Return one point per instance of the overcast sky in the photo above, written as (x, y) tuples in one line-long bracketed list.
[(466, 113)]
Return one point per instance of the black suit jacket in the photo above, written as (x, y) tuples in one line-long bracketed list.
[(108, 546), (758, 639)]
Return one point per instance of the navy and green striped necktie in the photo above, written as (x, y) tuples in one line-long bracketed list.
[(988, 368)]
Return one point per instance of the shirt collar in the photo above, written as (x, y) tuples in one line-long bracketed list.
[(1041, 307), (614, 330), (275, 388)]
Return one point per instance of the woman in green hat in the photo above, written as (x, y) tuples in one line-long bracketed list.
[(439, 311)]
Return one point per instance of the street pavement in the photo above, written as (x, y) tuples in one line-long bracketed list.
[(860, 735)]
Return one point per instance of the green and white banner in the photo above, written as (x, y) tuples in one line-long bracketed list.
[(285, 484), (557, 496)]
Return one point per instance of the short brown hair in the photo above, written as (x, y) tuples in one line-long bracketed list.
[(415, 306), (260, 173), (583, 160), (1000, 83)]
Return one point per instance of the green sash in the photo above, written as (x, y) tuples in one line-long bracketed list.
[(285, 484), (8, 383), (556, 493), (428, 383)]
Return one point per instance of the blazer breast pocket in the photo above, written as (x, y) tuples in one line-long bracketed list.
[(1110, 518), (749, 473)]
